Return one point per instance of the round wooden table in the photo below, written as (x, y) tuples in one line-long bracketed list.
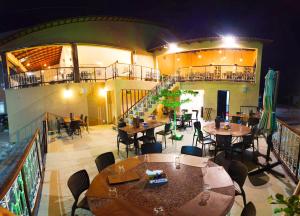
[(182, 195), (236, 130)]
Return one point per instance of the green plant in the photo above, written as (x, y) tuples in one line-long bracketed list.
[(171, 99), (291, 204)]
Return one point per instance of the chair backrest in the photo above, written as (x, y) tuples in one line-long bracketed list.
[(249, 210), (85, 119), (238, 172), (78, 182), (187, 116), (184, 110), (123, 136), (191, 150), (223, 140), (58, 127), (253, 122), (150, 148), (167, 127), (104, 160), (248, 140), (81, 117), (197, 125), (196, 112), (150, 132), (121, 124), (235, 119), (71, 116)]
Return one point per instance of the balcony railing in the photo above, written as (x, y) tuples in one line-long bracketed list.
[(286, 143), (66, 74), (234, 73)]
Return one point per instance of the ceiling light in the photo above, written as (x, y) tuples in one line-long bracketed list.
[(178, 59), (199, 56), (45, 65), (241, 59), (28, 64), (173, 48)]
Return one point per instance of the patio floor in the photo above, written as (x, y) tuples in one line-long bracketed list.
[(66, 156)]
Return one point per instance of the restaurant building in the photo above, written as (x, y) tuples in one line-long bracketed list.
[(110, 68)]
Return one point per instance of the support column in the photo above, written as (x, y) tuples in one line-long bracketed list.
[(75, 62), (5, 70)]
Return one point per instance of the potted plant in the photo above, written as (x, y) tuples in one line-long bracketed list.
[(171, 99), (290, 205)]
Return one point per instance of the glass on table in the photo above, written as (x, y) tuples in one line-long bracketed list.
[(177, 161), (112, 192), (158, 211), (121, 169), (205, 195)]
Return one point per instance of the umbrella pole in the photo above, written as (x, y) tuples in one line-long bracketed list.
[(267, 167)]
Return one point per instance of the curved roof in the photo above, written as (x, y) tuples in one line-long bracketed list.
[(105, 30)]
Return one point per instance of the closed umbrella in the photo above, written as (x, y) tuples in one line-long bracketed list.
[(268, 119)]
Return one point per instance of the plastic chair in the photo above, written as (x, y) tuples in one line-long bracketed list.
[(78, 183), (150, 148), (191, 150), (104, 160), (167, 131), (238, 173)]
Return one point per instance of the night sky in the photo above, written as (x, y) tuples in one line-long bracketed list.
[(275, 20)]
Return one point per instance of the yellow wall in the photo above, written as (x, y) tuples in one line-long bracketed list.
[(241, 94)]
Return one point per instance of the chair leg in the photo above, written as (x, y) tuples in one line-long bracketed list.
[(165, 137), (73, 210), (127, 150), (244, 196)]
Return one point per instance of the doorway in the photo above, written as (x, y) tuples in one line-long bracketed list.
[(223, 104), (195, 104)]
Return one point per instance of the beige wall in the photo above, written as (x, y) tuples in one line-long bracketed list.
[(241, 94), (101, 56), (144, 60), (66, 59), (28, 104)]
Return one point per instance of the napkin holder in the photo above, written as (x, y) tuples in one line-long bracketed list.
[(156, 177)]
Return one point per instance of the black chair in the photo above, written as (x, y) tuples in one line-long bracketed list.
[(247, 142), (204, 141), (238, 173), (187, 118), (191, 150), (256, 132), (249, 210), (78, 183), (149, 136), (81, 117), (197, 126), (196, 115), (71, 116), (125, 139), (104, 160), (223, 143), (120, 125), (74, 128), (253, 122), (184, 111), (167, 131), (235, 119), (149, 148)]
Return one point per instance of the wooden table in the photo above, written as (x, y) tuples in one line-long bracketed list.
[(67, 120), (246, 116), (236, 130), (182, 194), (134, 130)]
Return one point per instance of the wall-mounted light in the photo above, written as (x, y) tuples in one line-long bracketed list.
[(68, 93), (178, 59), (102, 92), (199, 56), (241, 59), (28, 64), (45, 65)]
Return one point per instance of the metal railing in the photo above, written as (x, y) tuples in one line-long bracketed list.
[(286, 143), (51, 76), (234, 73), (66, 74)]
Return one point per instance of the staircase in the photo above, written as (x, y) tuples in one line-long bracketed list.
[(147, 105)]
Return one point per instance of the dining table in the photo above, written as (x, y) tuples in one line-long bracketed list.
[(246, 116), (131, 130), (196, 187), (67, 120), (236, 130)]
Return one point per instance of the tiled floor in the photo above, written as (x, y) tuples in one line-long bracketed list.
[(66, 156)]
